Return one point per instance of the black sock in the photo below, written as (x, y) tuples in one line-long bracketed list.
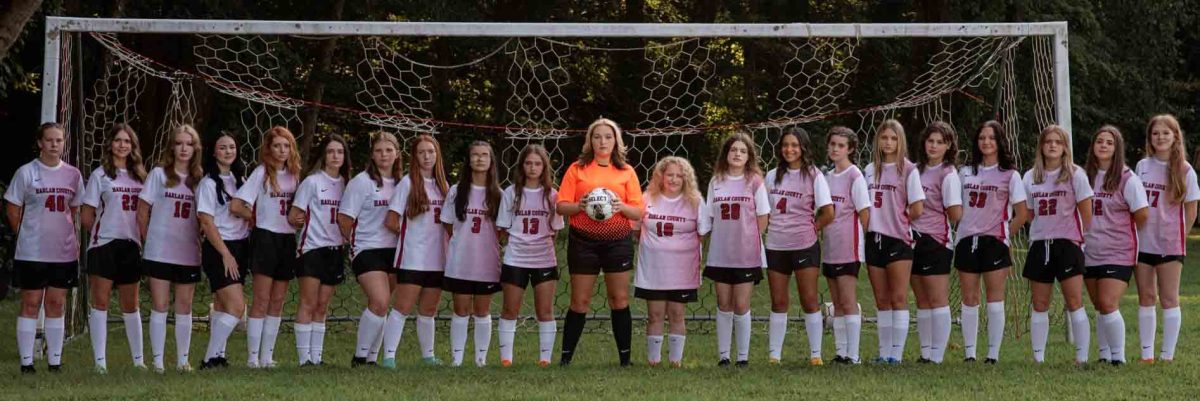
[(622, 326), (572, 329)]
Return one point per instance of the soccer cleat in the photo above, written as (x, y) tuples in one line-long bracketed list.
[(841, 360), (505, 362), (388, 363), (207, 364), (1102, 361), (101, 370), (268, 365), (307, 364), (140, 367), (1116, 362), (159, 369), (252, 364), (432, 361), (360, 361), (370, 363), (773, 362), (184, 368), (1146, 361), (676, 364), (54, 368), (626, 364), (880, 361), (221, 362), (893, 361), (28, 369), (543, 363), (990, 361), (969, 359), (653, 363), (742, 364), (924, 360), (723, 362), (816, 362), (1166, 360)]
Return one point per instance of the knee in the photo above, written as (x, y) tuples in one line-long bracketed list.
[(779, 304), (618, 301), (655, 317), (544, 316), (1147, 297), (426, 310), (810, 303), (970, 299), (741, 306), (377, 306), (580, 305), (100, 305), (30, 309), (1169, 301), (1041, 305), (510, 312)]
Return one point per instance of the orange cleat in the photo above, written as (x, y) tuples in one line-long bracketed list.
[(505, 363)]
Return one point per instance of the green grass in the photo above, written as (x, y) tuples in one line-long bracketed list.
[(596, 376)]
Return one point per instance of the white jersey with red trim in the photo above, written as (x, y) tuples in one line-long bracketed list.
[(890, 196), (115, 200), (319, 196), (422, 241), (367, 203), (474, 252), (46, 196), (173, 235), (988, 196), (1164, 233), (842, 240), (794, 205), (1053, 204), (531, 227), (270, 205), (735, 204), (208, 201), (669, 244), (943, 190), (1112, 238)]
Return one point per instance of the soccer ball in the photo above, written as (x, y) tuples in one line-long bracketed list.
[(598, 204)]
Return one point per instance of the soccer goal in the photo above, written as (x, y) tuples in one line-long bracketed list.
[(675, 88)]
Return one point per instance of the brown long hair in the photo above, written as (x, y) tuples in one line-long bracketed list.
[(1112, 177), (1068, 163), (418, 200), (901, 149), (463, 190), (851, 141), (268, 162), (806, 158), (951, 156), (1004, 154), (195, 170), (133, 162), (397, 169), (618, 155), (318, 157), (753, 170), (1175, 164), (518, 175)]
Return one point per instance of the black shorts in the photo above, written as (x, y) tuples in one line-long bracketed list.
[(1116, 272), (1155, 259), (177, 274), (327, 264), (883, 250), (590, 256), (834, 270), (117, 261), (929, 257), (372, 260), (274, 254), (787, 262), (468, 287), (424, 279), (677, 296), (214, 265), (733, 275), (523, 277), (29, 275), (1053, 259), (981, 254)]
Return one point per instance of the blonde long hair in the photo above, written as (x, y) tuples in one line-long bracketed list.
[(167, 160), (690, 190), (1175, 163), (901, 149), (268, 162), (587, 155), (1068, 162)]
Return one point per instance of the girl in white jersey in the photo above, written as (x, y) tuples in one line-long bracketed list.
[(993, 206), (110, 210), (414, 213), (373, 246), (322, 254), (473, 256), (167, 221), (739, 208), (42, 199), (1061, 199), (264, 199), (800, 208), (842, 253), (1119, 207), (668, 271), (527, 219), (932, 254), (1172, 192), (225, 252), (896, 199)]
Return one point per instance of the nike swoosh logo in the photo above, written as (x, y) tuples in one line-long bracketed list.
[(546, 273), (802, 261), (458, 350), (893, 253), (747, 275), (997, 262), (1109, 271), (1068, 269), (324, 189), (926, 268)]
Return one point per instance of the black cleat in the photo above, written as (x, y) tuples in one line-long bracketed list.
[(841, 360), (220, 362), (28, 369), (54, 368), (723, 362), (742, 364), (969, 360), (923, 360), (1103, 361), (208, 364), (1117, 363), (357, 361), (564, 362), (990, 361)]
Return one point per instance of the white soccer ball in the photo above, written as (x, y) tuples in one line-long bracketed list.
[(598, 204)]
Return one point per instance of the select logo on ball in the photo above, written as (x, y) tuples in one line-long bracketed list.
[(598, 204)]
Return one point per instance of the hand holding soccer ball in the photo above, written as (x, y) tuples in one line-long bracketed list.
[(600, 204)]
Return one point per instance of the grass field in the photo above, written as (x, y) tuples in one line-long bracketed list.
[(596, 376)]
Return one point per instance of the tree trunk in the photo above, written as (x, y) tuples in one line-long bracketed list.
[(315, 89), (12, 22)]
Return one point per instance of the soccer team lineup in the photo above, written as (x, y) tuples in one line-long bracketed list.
[(905, 217)]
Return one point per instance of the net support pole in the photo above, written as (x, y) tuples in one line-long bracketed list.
[(51, 63), (1062, 79)]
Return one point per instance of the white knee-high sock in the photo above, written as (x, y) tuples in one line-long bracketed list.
[(373, 353), (883, 325), (133, 334), (98, 330), (675, 343), (546, 332), (1172, 319), (483, 339), (1113, 326), (839, 335), (506, 333), (1147, 328), (939, 324), (158, 337), (316, 347), (1082, 334), (303, 342), (970, 329), (266, 354), (223, 325), (426, 335), (925, 332), (254, 332), (392, 332), (55, 330), (183, 338), (724, 333), (26, 333), (776, 332), (900, 323), (1102, 348), (654, 349), (853, 334), (370, 328), (995, 328), (1039, 329), (742, 331), (458, 338), (814, 327)]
